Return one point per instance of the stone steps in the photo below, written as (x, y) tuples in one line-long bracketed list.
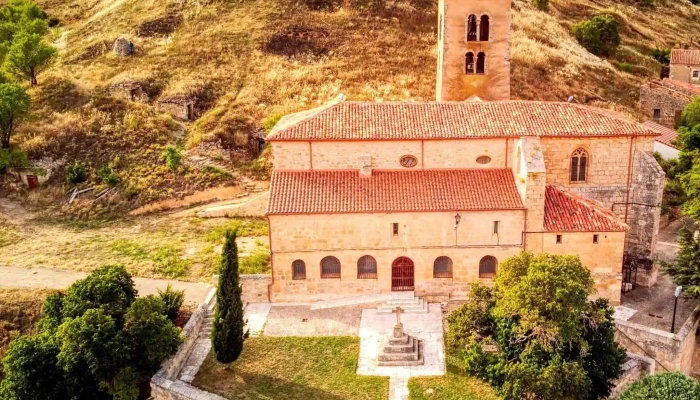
[(415, 305), (412, 357)]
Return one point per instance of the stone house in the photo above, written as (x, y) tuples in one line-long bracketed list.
[(664, 101), (179, 106), (429, 197), (664, 144), (685, 66)]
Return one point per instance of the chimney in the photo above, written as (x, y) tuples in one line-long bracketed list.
[(365, 165)]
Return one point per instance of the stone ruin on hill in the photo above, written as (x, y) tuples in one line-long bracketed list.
[(123, 47)]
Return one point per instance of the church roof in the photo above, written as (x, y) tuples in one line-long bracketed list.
[(321, 192), (668, 135), (567, 212), (452, 120), (685, 56)]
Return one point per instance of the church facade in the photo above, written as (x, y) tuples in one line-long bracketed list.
[(370, 198)]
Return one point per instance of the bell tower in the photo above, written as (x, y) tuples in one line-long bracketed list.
[(473, 50)]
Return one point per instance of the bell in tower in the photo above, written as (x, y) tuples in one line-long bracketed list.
[(473, 50)]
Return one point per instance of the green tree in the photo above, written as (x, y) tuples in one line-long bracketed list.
[(664, 386), (685, 271), (12, 158), (31, 372), (228, 328), (28, 56), (20, 16), (599, 35), (14, 106), (172, 299), (552, 343), (690, 117)]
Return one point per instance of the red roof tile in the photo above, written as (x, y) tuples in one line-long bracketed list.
[(685, 87), (319, 192), (452, 120), (685, 56), (668, 135), (566, 212)]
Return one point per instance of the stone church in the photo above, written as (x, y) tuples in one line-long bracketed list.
[(370, 198)]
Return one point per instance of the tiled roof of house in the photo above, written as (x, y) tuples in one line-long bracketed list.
[(686, 87), (668, 135), (452, 120), (685, 56), (319, 192), (566, 212)]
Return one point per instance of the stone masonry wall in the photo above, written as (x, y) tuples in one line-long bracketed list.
[(652, 98), (255, 288), (644, 212), (635, 368)]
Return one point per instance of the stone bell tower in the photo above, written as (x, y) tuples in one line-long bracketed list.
[(473, 50)]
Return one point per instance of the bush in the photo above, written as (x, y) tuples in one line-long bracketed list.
[(669, 385), (12, 158), (172, 301), (541, 4), (108, 176), (75, 173), (599, 35), (173, 155)]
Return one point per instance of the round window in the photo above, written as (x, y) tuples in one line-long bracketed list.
[(408, 161), (483, 160)]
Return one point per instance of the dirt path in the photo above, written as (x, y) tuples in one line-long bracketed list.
[(43, 278)]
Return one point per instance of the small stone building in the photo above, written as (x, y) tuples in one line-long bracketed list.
[(128, 90), (664, 144), (685, 66), (664, 101), (257, 142), (123, 47), (179, 106)]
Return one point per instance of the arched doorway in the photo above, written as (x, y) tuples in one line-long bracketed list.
[(402, 275)]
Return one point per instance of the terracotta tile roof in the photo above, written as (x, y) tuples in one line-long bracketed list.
[(685, 56), (685, 87), (452, 120), (566, 212), (668, 135), (319, 192)]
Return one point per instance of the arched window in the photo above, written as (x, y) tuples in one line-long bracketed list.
[(330, 268), (366, 268), (487, 267), (471, 28), (442, 268), (481, 63), (298, 270), (484, 28), (579, 165), (469, 63)]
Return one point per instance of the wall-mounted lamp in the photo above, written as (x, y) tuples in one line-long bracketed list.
[(457, 219)]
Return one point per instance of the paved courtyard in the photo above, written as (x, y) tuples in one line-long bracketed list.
[(303, 321)]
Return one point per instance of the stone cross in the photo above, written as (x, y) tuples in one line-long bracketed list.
[(398, 328)]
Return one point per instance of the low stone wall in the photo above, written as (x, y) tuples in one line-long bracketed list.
[(165, 384), (671, 352), (635, 367), (255, 288)]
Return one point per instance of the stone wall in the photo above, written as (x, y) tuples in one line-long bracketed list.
[(635, 367), (255, 288), (644, 210), (683, 73), (671, 352), (653, 97)]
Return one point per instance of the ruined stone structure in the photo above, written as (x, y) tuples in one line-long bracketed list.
[(123, 47), (128, 90), (473, 50), (685, 66), (664, 101), (179, 106)]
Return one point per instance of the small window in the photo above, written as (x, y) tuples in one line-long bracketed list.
[(408, 161), (696, 74), (469, 63), (442, 268), (487, 267), (483, 160), (366, 268), (595, 239), (484, 29), (395, 228), (579, 165), (558, 239), (330, 268), (471, 28), (495, 227), (657, 114), (298, 270), (481, 63)]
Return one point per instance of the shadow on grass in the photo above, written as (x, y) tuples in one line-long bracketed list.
[(259, 387)]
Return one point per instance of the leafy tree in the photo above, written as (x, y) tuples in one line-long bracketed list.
[(690, 118), (664, 386), (227, 331), (12, 158), (14, 106), (662, 55), (31, 372), (28, 56), (20, 16), (599, 35), (552, 343), (685, 271), (172, 299)]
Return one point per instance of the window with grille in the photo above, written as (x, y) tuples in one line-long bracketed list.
[(367, 268), (484, 29), (487, 267), (469, 63), (330, 268), (696, 74), (442, 268), (579, 165), (471, 28), (481, 63), (298, 270)]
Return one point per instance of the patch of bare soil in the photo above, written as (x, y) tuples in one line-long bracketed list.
[(297, 40), (208, 195), (159, 27)]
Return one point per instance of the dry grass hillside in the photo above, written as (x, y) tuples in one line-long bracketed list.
[(249, 62)]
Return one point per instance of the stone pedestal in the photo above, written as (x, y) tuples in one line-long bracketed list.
[(400, 349)]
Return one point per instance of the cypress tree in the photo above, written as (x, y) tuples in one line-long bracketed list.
[(228, 334)]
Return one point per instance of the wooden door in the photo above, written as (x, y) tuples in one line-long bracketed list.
[(32, 181), (402, 274)]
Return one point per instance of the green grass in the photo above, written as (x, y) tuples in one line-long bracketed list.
[(258, 262), (454, 385), (245, 227), (292, 368), (167, 260)]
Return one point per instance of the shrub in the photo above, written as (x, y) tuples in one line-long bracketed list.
[(625, 67), (669, 385), (541, 4), (172, 300), (12, 158), (75, 173), (173, 155), (662, 55), (108, 176), (599, 35)]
